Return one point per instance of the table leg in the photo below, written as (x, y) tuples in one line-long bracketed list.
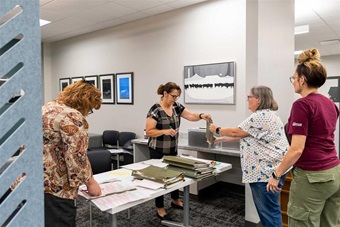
[(113, 220), (186, 195), (90, 214), (185, 211)]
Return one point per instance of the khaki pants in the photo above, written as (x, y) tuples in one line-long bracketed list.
[(314, 198)]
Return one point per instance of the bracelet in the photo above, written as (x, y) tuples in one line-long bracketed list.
[(218, 130), (275, 176), (200, 115)]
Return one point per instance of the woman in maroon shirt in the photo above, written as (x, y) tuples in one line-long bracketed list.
[(314, 198)]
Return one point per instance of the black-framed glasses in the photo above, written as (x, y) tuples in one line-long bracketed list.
[(174, 96), (292, 79), (250, 96)]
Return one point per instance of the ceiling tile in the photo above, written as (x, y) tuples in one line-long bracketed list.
[(158, 10), (140, 4), (105, 12)]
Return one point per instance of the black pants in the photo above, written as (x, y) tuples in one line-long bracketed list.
[(174, 194), (59, 212)]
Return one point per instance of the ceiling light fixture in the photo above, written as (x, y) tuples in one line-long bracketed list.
[(301, 29), (329, 42), (43, 22)]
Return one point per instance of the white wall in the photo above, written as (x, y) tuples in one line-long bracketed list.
[(156, 49)]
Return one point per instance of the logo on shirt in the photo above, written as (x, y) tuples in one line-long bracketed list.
[(297, 124)]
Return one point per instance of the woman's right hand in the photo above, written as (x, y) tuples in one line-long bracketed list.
[(170, 132), (93, 187)]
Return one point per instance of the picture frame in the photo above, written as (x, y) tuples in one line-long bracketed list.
[(63, 83), (107, 87), (75, 79), (92, 79), (124, 88), (210, 83)]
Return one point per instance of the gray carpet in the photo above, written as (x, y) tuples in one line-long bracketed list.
[(220, 205)]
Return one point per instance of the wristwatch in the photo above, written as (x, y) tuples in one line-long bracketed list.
[(275, 176), (218, 130)]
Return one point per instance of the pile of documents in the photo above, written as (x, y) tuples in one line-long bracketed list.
[(158, 174), (191, 168)]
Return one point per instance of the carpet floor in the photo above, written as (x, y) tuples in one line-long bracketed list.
[(220, 205)]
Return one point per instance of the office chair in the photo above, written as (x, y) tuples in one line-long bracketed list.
[(100, 160), (109, 139), (124, 142), (124, 137)]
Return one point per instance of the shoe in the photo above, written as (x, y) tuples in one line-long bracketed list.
[(165, 217), (175, 206)]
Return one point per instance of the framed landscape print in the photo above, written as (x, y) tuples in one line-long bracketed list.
[(63, 83), (92, 79), (210, 83), (106, 83), (124, 88)]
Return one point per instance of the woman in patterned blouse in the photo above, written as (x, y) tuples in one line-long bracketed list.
[(162, 128), (66, 166), (263, 146)]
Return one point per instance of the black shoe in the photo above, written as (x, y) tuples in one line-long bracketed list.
[(175, 206), (165, 217)]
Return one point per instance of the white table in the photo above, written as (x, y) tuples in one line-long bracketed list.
[(152, 194)]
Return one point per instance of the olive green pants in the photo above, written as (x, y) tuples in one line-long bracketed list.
[(314, 198)]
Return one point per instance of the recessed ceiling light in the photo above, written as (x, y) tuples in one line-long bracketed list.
[(43, 22), (301, 29), (329, 42)]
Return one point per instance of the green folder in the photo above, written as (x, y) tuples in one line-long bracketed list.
[(184, 162), (191, 173), (158, 174)]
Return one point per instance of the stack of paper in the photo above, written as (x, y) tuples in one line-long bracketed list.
[(109, 189), (158, 174), (190, 168)]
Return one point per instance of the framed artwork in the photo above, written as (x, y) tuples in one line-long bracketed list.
[(75, 79), (92, 79), (331, 89), (63, 83), (124, 88), (210, 83), (106, 83)]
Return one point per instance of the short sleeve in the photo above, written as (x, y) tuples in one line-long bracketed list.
[(154, 113), (256, 124), (298, 121)]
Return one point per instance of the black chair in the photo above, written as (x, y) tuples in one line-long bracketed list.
[(124, 137), (124, 142), (110, 140), (100, 160)]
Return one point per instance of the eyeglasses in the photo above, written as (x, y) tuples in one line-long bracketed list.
[(250, 96), (174, 96), (292, 79)]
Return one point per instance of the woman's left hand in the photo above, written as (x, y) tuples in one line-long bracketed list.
[(273, 185)]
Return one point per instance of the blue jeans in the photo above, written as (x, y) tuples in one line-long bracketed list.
[(267, 203)]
